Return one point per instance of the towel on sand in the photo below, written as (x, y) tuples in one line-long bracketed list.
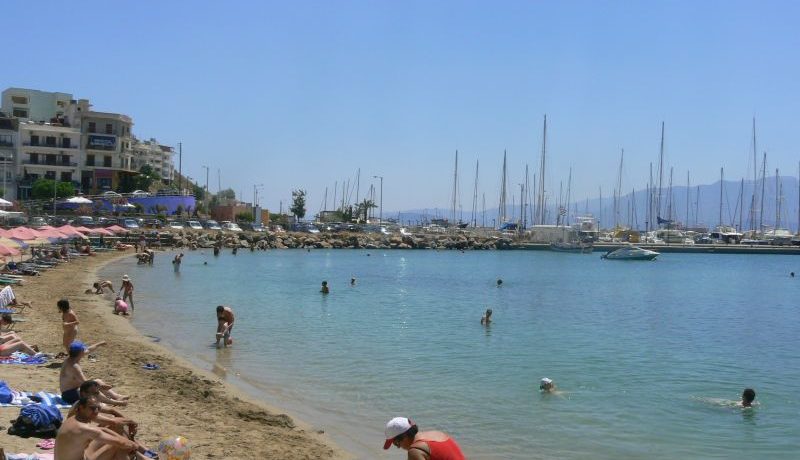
[(6, 296), (23, 398), (22, 358)]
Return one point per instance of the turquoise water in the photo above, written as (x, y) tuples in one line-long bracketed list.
[(639, 348)]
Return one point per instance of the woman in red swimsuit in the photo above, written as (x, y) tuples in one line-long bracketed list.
[(425, 445)]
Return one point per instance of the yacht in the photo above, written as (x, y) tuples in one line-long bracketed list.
[(630, 252)]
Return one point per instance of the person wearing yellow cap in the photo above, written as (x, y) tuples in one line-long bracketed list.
[(421, 445)]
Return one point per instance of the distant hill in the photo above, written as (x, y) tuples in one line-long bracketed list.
[(704, 212)]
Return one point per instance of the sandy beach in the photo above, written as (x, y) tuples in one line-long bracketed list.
[(178, 399)]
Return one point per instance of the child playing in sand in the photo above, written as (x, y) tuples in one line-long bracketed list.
[(120, 307), (99, 286)]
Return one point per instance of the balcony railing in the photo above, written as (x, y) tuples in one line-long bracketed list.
[(6, 144), (52, 146), (51, 163)]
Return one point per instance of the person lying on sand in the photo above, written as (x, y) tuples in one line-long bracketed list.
[(71, 377), (78, 439), (12, 343), (99, 286)]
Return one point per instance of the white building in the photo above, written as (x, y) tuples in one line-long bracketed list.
[(31, 104), (158, 156), (8, 146), (46, 151)]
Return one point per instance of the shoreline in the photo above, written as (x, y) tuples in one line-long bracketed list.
[(219, 419)]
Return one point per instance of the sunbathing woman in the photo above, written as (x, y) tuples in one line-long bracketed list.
[(13, 343)]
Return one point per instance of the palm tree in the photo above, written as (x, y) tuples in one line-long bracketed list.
[(362, 209)]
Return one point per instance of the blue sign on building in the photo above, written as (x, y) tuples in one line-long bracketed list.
[(102, 141)]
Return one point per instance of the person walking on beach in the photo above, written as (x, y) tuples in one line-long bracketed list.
[(69, 322), (324, 289), (225, 321), (126, 291), (176, 262), (426, 445)]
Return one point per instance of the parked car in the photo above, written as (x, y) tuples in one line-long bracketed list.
[(176, 225), (230, 226), (111, 194), (212, 225), (194, 225), (251, 227), (84, 221), (105, 222), (37, 222), (139, 193), (153, 223), (130, 224)]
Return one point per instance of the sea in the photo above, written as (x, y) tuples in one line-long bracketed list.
[(649, 358)]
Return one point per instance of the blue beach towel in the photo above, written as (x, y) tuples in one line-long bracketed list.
[(23, 398), (22, 358)]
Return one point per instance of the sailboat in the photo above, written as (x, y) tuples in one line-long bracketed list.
[(568, 242)]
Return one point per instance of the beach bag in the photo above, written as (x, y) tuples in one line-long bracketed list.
[(36, 421), (5, 393)]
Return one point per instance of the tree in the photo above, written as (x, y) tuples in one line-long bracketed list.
[(42, 189), (145, 178), (244, 217), (298, 203), (362, 209)]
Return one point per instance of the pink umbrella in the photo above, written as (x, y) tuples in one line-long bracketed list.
[(100, 231), (51, 233), (83, 229), (22, 233), (117, 229), (7, 251)]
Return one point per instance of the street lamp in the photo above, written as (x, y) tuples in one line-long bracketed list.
[(380, 218), (255, 202), (205, 196)]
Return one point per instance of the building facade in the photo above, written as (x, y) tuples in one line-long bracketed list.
[(54, 136), (8, 147)]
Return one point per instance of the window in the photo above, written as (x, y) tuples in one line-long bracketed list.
[(20, 113), (66, 142), (65, 160), (5, 140), (92, 127), (19, 99), (34, 140), (60, 103), (109, 128), (66, 176), (107, 161), (50, 141), (50, 175), (89, 160), (34, 158), (50, 159)]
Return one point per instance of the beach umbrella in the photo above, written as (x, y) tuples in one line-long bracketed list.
[(51, 233), (83, 229), (22, 233), (79, 200), (70, 231), (100, 231), (7, 251), (117, 229), (16, 244), (5, 203)]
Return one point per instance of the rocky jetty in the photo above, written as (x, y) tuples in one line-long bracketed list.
[(292, 240)]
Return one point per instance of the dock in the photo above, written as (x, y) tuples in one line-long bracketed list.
[(680, 248)]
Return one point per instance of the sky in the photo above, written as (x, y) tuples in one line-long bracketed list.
[(301, 95)]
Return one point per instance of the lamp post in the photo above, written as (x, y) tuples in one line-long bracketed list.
[(380, 218), (205, 196)]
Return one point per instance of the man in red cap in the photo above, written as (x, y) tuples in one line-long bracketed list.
[(426, 445)]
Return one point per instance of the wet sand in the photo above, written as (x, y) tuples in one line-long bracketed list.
[(179, 399)]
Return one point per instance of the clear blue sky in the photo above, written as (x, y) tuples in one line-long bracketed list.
[(301, 94)]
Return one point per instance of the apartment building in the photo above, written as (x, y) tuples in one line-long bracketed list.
[(8, 145), (158, 156), (58, 137)]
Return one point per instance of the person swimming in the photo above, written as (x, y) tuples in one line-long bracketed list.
[(487, 317), (324, 289), (547, 385), (748, 396), (499, 282)]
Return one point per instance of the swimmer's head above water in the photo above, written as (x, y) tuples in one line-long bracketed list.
[(547, 384), (748, 396)]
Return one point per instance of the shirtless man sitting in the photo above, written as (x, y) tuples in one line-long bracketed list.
[(72, 377), (78, 439), (108, 417)]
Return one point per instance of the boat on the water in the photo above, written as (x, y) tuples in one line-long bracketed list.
[(573, 246), (630, 253)]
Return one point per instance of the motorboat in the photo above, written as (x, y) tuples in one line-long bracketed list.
[(574, 246), (630, 253)]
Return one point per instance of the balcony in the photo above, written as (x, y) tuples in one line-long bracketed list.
[(56, 164), (6, 144), (51, 146)]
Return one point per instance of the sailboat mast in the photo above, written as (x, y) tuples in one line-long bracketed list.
[(721, 179), (741, 204), (763, 181), (475, 198), (541, 199), (777, 202), (755, 178), (523, 201), (502, 213), (660, 173), (569, 193), (454, 200), (697, 207), (688, 195), (600, 221)]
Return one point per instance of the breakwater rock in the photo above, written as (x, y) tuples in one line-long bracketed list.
[(263, 241)]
